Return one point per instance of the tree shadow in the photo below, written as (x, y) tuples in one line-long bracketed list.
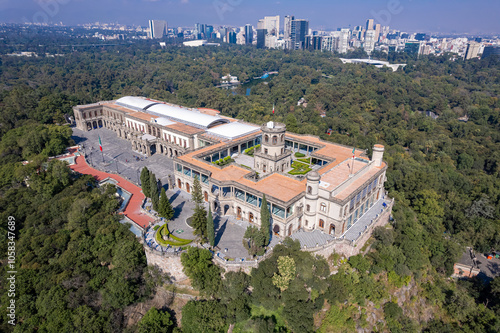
[(220, 231), (174, 196), (178, 209), (78, 139)]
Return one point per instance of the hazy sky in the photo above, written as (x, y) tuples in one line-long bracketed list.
[(473, 16)]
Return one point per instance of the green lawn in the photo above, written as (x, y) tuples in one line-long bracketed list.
[(299, 168)]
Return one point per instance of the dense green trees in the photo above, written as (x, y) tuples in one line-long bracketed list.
[(444, 174), (77, 263)]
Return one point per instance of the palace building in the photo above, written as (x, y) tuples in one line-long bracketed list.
[(309, 184)]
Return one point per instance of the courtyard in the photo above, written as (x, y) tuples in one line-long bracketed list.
[(118, 158)]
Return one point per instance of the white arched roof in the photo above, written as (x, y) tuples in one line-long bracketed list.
[(135, 102), (186, 116)]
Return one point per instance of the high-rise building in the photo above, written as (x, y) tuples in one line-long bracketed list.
[(261, 24), (287, 27), (472, 50), (157, 29), (199, 30), (248, 34), (369, 24), (377, 32), (329, 43), (491, 51), (272, 25), (231, 37), (316, 42), (369, 43), (300, 29), (261, 38), (343, 44)]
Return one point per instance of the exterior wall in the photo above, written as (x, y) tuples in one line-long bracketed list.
[(170, 264)]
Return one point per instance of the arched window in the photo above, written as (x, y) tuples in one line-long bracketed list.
[(282, 137), (238, 213), (250, 217), (275, 139), (309, 190), (206, 196), (308, 208), (266, 138), (332, 229), (188, 188), (321, 223)]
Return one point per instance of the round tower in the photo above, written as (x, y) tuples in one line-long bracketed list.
[(378, 154), (273, 138), (312, 194)]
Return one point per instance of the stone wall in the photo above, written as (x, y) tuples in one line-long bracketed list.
[(170, 264)]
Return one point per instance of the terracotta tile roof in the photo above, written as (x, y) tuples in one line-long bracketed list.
[(358, 182), (336, 176), (185, 128), (277, 186), (143, 116)]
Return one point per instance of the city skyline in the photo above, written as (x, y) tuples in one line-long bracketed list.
[(442, 17)]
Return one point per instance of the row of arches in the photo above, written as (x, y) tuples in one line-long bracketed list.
[(94, 124)]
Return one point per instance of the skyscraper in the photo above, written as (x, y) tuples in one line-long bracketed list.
[(472, 50), (369, 24), (300, 28), (369, 43), (231, 37), (248, 34), (157, 29), (272, 25), (261, 38), (343, 43), (287, 27)]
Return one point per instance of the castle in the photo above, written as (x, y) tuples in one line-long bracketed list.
[(309, 184)]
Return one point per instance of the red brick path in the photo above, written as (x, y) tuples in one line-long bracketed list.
[(133, 208)]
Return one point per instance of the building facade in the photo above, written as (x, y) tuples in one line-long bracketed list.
[(238, 163)]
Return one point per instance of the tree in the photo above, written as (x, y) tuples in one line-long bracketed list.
[(165, 207), (265, 218), (203, 317), (145, 182), (155, 321), (153, 184), (198, 266), (196, 195), (199, 218), (286, 269), (210, 228), (254, 241)]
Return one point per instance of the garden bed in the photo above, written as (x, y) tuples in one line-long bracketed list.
[(172, 240), (299, 168)]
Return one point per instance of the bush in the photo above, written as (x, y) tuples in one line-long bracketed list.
[(172, 241), (297, 154)]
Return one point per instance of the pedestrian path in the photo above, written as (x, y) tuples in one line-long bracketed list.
[(133, 208)]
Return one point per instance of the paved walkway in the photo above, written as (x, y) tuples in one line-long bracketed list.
[(119, 158), (133, 208), (358, 228)]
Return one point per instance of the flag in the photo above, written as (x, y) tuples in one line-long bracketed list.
[(273, 108), (353, 149), (100, 144)]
